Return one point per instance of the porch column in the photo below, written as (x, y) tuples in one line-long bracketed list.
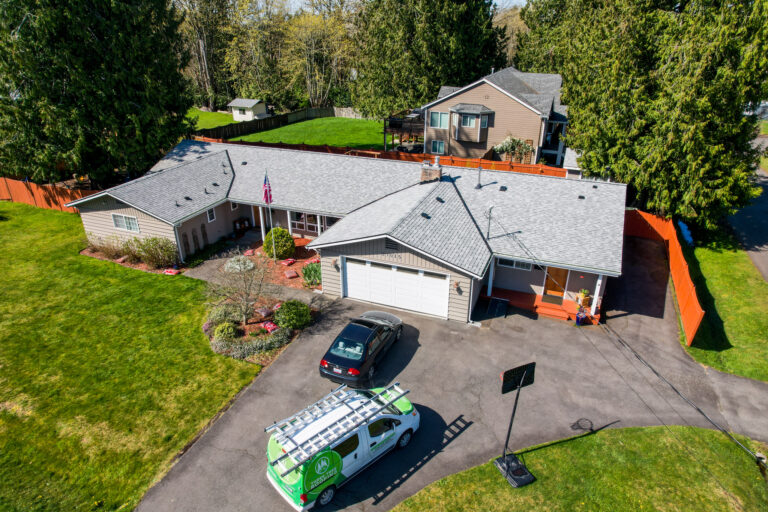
[(490, 276), (261, 220), (318, 226), (253, 217), (290, 229), (598, 289)]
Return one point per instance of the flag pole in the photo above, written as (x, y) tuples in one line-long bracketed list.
[(269, 207)]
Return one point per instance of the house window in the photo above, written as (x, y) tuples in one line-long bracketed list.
[(241, 111), (438, 147), (125, 222), (468, 121), (519, 265), (438, 120), (234, 205), (211, 215), (484, 122)]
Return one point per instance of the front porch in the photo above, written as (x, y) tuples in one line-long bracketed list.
[(298, 223), (542, 305)]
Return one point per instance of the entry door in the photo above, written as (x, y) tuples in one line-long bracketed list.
[(381, 436), (555, 282)]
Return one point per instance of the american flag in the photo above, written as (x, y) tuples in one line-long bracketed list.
[(267, 188)]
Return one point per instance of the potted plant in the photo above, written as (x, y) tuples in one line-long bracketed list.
[(584, 297)]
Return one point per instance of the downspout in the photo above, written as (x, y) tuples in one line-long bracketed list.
[(178, 245)]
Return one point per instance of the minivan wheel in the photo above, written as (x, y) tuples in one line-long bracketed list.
[(326, 496), (405, 439)]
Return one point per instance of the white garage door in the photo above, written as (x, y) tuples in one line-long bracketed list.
[(405, 288)]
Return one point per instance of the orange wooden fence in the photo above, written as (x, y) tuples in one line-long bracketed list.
[(42, 196), (646, 225), (493, 165)]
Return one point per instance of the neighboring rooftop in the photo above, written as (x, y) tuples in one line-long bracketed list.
[(569, 161), (243, 103)]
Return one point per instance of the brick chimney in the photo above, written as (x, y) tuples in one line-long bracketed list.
[(431, 172)]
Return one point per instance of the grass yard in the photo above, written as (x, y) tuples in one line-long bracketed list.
[(104, 372), (733, 337), (209, 119), (763, 127), (621, 469), (333, 131)]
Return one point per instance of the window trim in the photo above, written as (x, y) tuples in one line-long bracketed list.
[(241, 111), (516, 264), (432, 147), (471, 117), (234, 206), (124, 217), (208, 213)]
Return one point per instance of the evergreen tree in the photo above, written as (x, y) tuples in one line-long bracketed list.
[(656, 93), (407, 50), (89, 87)]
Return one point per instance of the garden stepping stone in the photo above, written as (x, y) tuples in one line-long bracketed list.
[(288, 262), (290, 274)]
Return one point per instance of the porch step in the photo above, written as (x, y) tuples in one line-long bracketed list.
[(552, 311)]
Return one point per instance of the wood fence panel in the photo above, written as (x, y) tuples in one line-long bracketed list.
[(50, 197), (646, 225)]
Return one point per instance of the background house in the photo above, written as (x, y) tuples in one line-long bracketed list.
[(247, 110), (468, 121)]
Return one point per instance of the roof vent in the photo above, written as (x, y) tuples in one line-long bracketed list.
[(425, 215), (215, 184), (243, 163), (177, 203), (187, 198), (582, 197), (503, 188), (205, 189), (594, 186), (439, 199)]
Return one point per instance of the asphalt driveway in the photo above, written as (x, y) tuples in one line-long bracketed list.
[(583, 378)]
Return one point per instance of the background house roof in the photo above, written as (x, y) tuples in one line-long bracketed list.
[(243, 103), (445, 90), (471, 108)]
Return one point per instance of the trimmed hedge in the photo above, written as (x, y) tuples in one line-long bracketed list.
[(244, 349), (293, 314), (284, 245)]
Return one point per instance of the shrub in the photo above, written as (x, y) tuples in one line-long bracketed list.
[(293, 314), (284, 245), (238, 264), (156, 251), (311, 274), (223, 313), (225, 332), (245, 349), (131, 250), (111, 246)]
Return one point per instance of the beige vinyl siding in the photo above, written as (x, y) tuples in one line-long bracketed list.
[(510, 117), (526, 281), (221, 227), (97, 221), (459, 297)]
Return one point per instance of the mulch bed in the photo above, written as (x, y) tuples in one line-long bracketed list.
[(137, 266), (277, 275)]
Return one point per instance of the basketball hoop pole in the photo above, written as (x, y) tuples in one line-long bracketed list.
[(512, 419)]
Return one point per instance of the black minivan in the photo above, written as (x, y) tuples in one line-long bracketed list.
[(360, 346)]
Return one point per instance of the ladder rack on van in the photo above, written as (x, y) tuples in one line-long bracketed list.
[(339, 397)]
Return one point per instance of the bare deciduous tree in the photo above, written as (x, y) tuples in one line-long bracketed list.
[(240, 283)]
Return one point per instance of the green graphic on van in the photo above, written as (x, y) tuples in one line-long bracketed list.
[(383, 442), (324, 467)]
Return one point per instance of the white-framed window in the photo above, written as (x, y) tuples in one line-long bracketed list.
[(438, 147), (519, 265), (468, 120), (234, 205), (438, 120), (211, 215), (484, 122), (241, 111), (125, 222)]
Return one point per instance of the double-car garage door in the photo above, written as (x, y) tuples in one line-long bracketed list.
[(400, 287)]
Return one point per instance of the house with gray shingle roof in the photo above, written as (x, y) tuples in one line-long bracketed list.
[(244, 109), (469, 121), (423, 237)]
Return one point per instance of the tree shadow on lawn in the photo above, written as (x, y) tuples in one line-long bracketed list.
[(395, 468)]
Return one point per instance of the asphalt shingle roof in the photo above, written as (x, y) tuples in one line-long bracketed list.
[(471, 108), (445, 90), (242, 103)]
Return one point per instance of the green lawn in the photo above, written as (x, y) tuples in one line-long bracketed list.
[(764, 127), (209, 119), (104, 372), (333, 131), (626, 469), (732, 337)]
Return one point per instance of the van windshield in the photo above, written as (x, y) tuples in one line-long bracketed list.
[(348, 349)]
